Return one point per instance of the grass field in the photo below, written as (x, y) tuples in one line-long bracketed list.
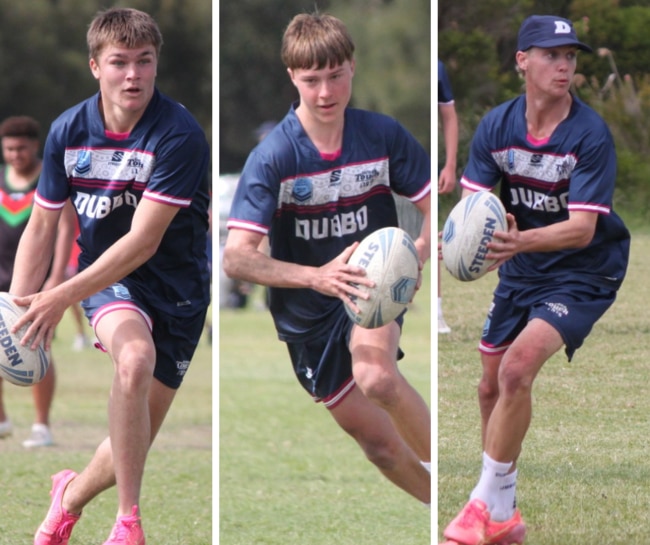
[(288, 475), (584, 472), (177, 494)]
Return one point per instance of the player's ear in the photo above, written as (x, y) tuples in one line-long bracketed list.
[(94, 68), (522, 60), (291, 76)]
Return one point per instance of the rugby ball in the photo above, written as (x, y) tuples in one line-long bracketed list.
[(468, 229), (390, 259), (18, 364)]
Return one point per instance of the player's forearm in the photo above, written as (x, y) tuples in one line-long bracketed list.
[(253, 266), (117, 262), (423, 242), (32, 259), (450, 135), (451, 147), (559, 236), (63, 247)]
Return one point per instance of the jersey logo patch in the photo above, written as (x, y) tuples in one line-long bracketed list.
[(83, 162), (335, 177), (367, 176), (302, 190)]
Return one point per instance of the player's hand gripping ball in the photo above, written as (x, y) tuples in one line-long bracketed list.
[(18, 364), (469, 228), (391, 260)]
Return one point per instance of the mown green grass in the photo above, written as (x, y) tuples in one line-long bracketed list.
[(176, 499), (287, 474), (584, 472)]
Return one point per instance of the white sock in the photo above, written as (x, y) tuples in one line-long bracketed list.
[(439, 307), (506, 501), (491, 481)]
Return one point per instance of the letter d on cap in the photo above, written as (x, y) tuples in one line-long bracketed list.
[(561, 27)]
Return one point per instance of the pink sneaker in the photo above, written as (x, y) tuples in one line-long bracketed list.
[(509, 532), (127, 530), (58, 523), (468, 528)]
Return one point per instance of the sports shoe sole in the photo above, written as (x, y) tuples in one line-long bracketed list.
[(515, 536)]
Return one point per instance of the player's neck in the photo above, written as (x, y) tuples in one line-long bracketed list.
[(326, 137), (543, 115), (117, 120), (20, 181)]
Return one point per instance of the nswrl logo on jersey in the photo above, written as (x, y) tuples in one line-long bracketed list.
[(302, 189), (83, 162)]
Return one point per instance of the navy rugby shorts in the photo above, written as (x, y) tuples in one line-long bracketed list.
[(571, 308), (323, 365), (175, 337)]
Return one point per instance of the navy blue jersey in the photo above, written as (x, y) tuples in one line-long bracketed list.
[(445, 94), (165, 158), (313, 208), (541, 181)]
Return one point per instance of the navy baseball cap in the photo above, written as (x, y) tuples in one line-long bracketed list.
[(548, 31)]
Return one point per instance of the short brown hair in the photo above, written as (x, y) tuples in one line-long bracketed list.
[(20, 126), (316, 40), (123, 26)]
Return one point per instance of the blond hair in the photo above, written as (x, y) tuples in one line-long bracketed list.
[(122, 26), (316, 41)]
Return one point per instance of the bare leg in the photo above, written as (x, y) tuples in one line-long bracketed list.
[(376, 373), (6, 428), (442, 324), (3, 414), (78, 318), (137, 407), (510, 417), (43, 394), (99, 475), (372, 428)]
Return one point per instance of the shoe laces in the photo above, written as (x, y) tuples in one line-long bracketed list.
[(123, 531), (60, 530)]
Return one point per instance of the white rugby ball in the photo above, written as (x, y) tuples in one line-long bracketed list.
[(390, 259), (468, 229), (18, 364)]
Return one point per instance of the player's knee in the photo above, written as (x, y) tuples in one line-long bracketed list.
[(514, 382), (134, 368), (380, 387), (488, 390)]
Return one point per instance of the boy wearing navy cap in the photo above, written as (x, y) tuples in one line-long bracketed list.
[(560, 263), (547, 31)]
